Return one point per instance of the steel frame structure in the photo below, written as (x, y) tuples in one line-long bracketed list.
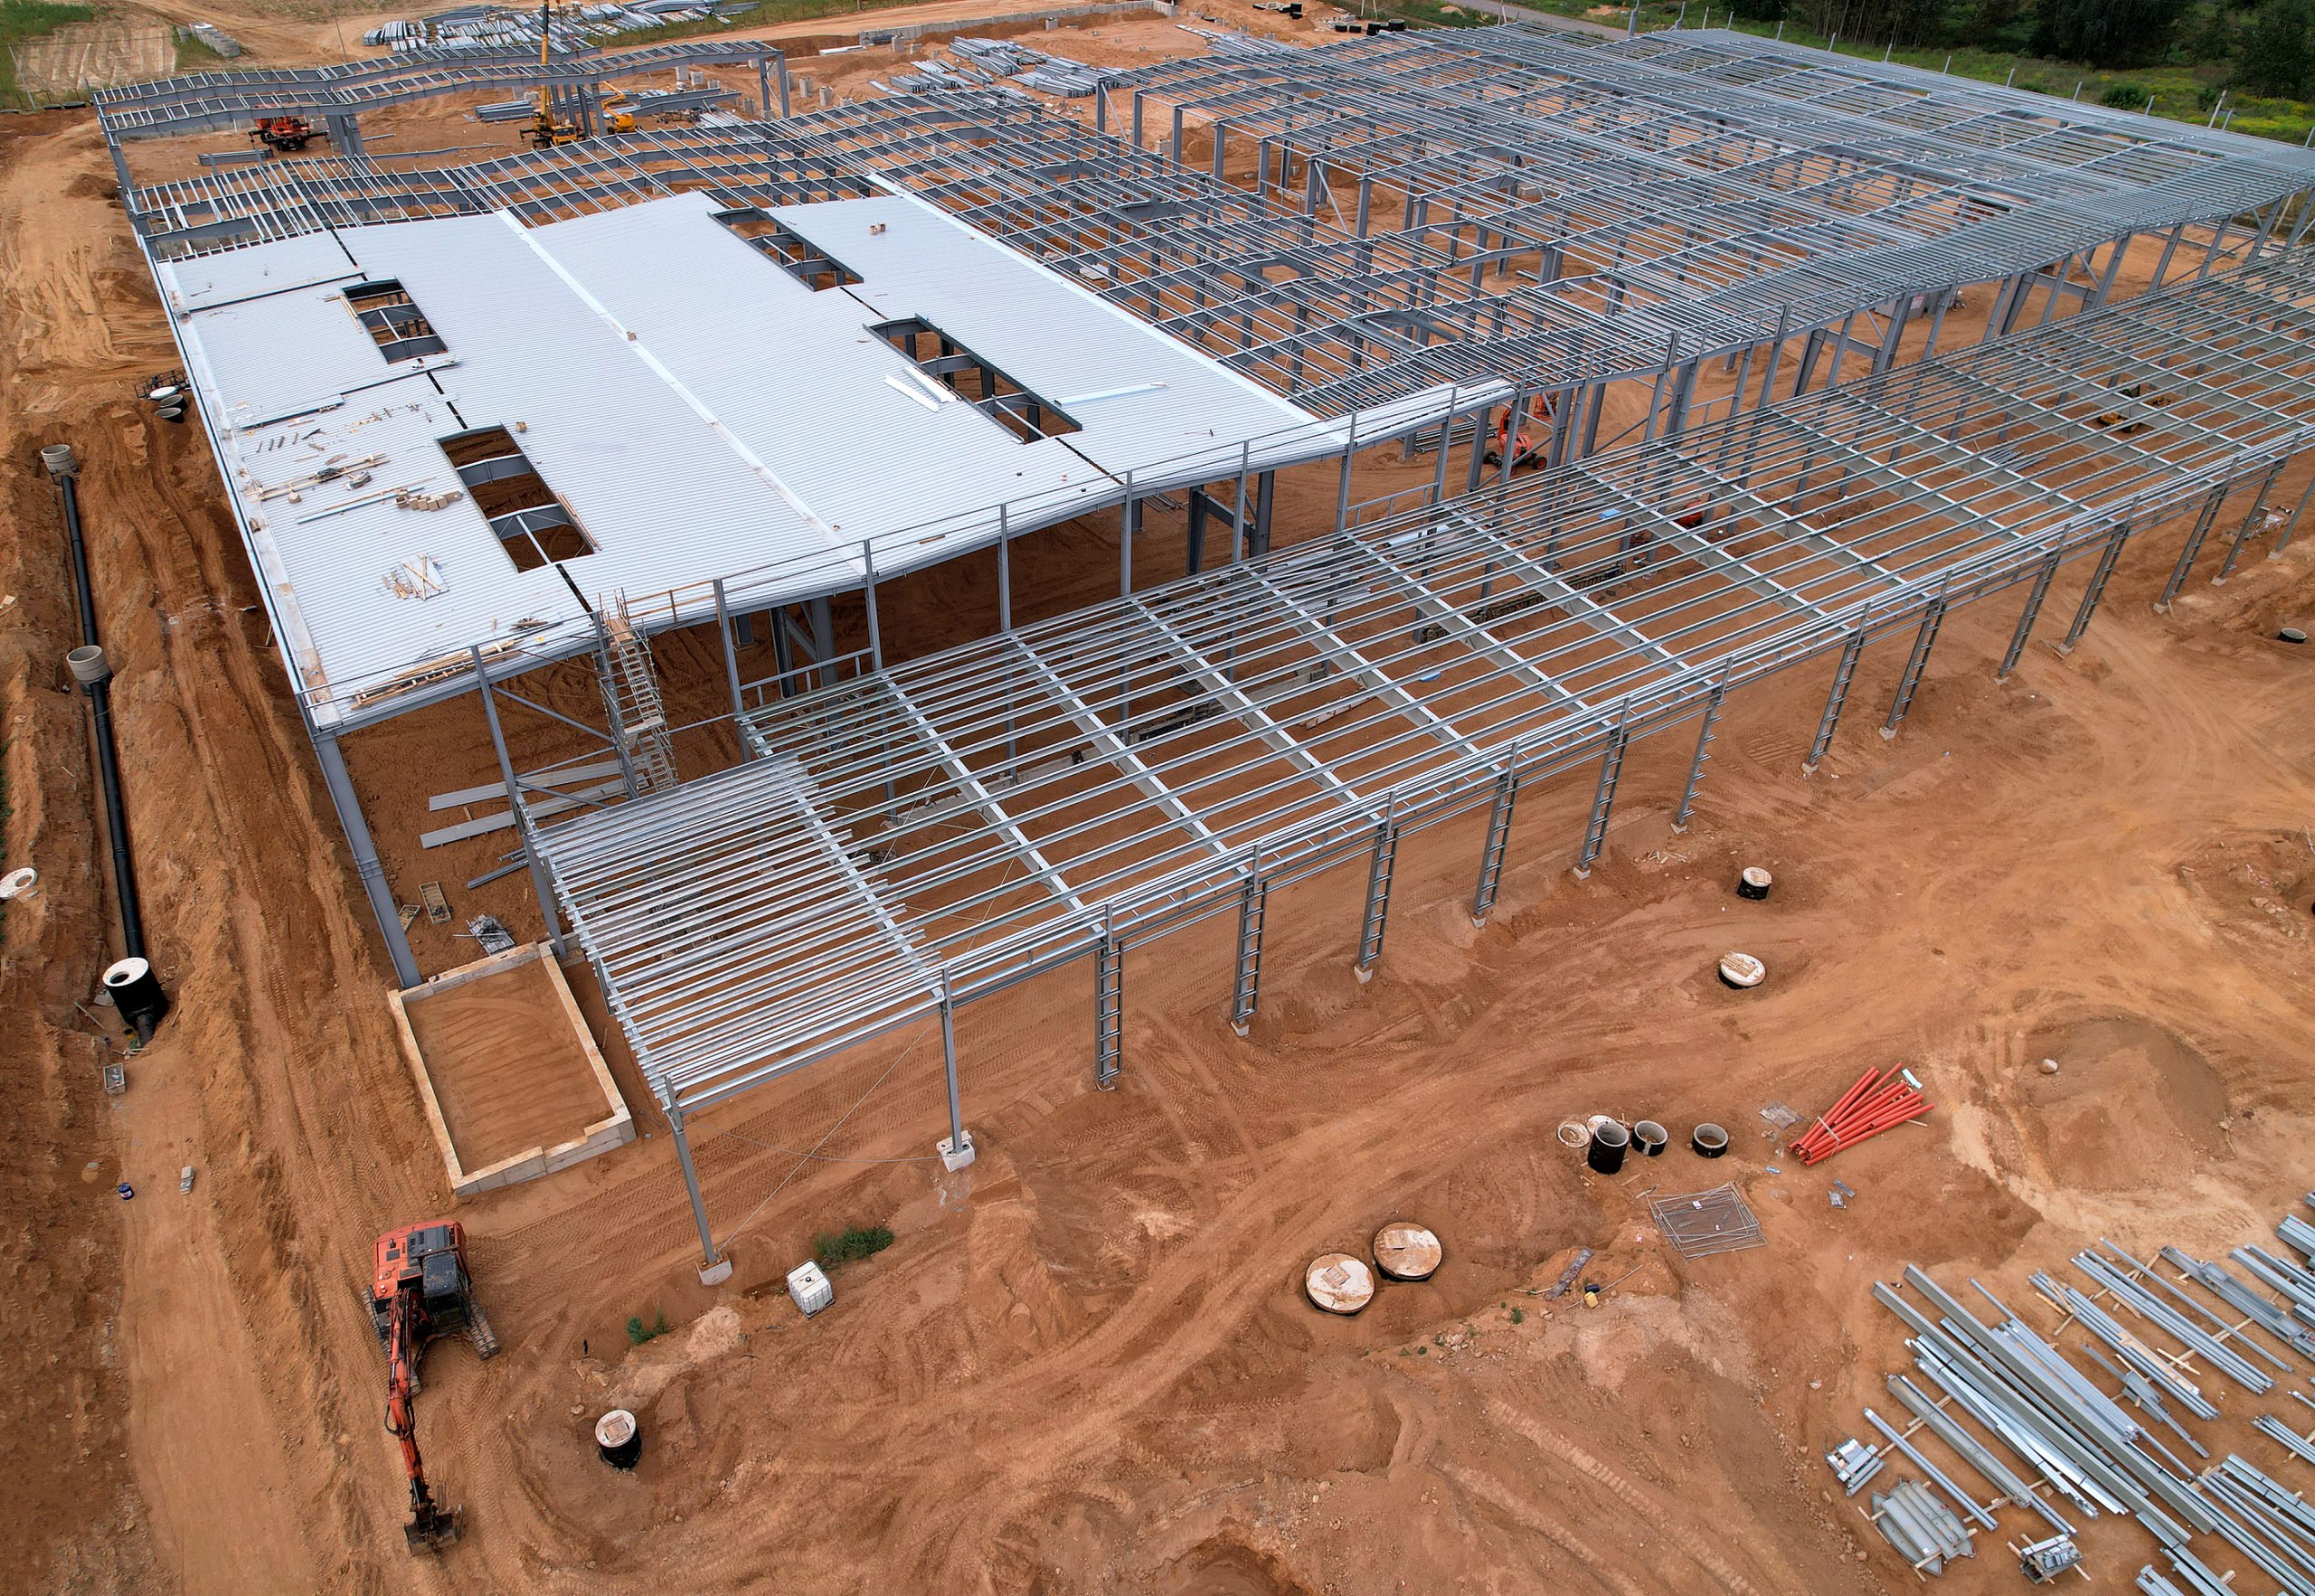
[(1567, 216), (169, 108), (925, 834)]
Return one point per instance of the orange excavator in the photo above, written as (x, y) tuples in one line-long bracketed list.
[(420, 1289), (286, 134)]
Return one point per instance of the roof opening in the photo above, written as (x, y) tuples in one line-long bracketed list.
[(394, 321), (532, 523), (940, 357), (805, 261)]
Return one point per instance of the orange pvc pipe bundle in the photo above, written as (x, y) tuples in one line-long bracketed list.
[(1877, 1102)]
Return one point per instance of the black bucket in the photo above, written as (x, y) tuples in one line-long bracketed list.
[(1649, 1138), (137, 996), (1753, 883), (2292, 635), (1710, 1141), (619, 1439), (1608, 1145)]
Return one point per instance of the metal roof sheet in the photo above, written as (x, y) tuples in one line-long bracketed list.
[(699, 412)]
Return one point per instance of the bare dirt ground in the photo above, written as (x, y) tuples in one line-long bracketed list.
[(1085, 1364)]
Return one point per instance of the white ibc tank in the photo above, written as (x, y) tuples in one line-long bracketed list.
[(809, 1288)]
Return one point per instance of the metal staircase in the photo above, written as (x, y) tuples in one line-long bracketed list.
[(630, 689)]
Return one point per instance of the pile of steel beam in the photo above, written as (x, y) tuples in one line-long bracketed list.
[(2083, 1444)]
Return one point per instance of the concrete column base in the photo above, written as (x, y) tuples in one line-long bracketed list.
[(1365, 972), (715, 1274), (954, 1158)]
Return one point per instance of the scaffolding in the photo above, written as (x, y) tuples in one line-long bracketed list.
[(906, 841)]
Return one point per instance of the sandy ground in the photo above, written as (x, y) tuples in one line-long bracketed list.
[(1085, 1364)]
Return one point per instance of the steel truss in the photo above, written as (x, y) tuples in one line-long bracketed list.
[(923, 835)]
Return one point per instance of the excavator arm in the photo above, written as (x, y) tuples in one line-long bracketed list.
[(430, 1528)]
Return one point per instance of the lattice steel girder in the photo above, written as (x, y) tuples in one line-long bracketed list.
[(1560, 592), (1730, 496)]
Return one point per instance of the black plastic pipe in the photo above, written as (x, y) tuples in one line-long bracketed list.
[(52, 457), (91, 671)]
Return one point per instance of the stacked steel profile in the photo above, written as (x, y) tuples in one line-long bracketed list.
[(2086, 1446)]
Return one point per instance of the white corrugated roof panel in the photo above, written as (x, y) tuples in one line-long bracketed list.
[(698, 410)]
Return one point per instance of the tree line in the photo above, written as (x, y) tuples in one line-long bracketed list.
[(2267, 46)]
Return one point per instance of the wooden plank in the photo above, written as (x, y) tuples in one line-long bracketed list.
[(538, 811), (497, 790)]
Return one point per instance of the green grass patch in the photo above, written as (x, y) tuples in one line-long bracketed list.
[(637, 1332), (850, 1245), (23, 20)]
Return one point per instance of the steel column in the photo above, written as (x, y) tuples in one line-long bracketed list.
[(1109, 1005), (1498, 838), (2250, 519), (1843, 674), (2194, 547), (1246, 978), (1603, 798), (1377, 915), (691, 1186), (365, 858), (1706, 736), (732, 659), (541, 880), (1932, 620), (2282, 539), (2034, 596), (958, 1143), (2098, 576)]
